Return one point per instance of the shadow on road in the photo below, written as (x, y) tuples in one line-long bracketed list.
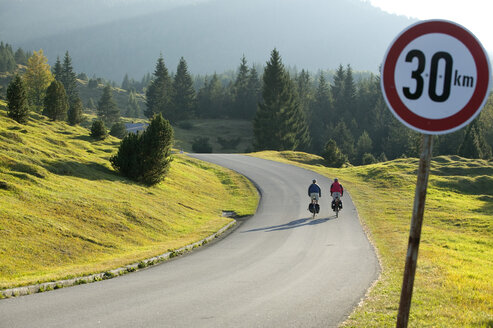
[(291, 225)]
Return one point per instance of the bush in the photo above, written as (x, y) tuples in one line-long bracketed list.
[(146, 157), (201, 145), (118, 130), (368, 159), (98, 130), (333, 155)]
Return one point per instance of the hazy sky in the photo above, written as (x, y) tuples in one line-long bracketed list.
[(475, 15)]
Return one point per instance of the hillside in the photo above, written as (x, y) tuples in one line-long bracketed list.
[(455, 264), (64, 212), (211, 35)]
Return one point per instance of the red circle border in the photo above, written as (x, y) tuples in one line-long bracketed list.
[(479, 94)]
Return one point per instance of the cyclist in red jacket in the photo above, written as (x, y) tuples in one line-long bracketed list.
[(336, 191)]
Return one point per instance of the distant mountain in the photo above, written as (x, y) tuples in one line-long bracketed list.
[(211, 35)]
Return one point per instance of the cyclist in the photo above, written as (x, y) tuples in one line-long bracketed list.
[(314, 191), (336, 191)]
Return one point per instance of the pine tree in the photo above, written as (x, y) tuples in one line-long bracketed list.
[(146, 157), (474, 144), (349, 95), (159, 92), (333, 155), (133, 108), (55, 102), (57, 70), (320, 115), (210, 100), (254, 93), (279, 123), (75, 112), (344, 139), (37, 78), (363, 146), (17, 107), (241, 91), (107, 109), (126, 83), (304, 90), (7, 60), (21, 57), (69, 79), (337, 90), (98, 130), (183, 98)]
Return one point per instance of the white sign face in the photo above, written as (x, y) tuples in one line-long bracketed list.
[(435, 77)]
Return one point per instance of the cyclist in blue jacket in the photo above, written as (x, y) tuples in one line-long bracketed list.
[(314, 191)]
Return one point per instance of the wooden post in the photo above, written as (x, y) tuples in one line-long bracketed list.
[(415, 232)]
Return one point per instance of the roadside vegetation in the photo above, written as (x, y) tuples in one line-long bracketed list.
[(64, 212), (455, 264)]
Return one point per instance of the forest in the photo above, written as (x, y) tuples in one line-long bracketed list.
[(339, 113)]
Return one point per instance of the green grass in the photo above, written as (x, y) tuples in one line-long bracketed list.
[(64, 212), (214, 129), (453, 286)]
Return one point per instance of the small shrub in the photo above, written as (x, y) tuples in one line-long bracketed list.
[(368, 159), (98, 130), (142, 265), (201, 145), (118, 130)]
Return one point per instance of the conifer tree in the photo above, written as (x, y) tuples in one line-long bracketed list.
[(21, 57), (254, 93), (320, 115), (126, 83), (337, 90), (279, 123), (37, 78), (333, 155), (7, 60), (133, 108), (75, 112), (146, 157), (17, 106), (107, 109), (98, 130), (183, 98), (474, 144), (159, 92), (364, 145), (241, 91), (57, 70), (55, 102), (69, 79)]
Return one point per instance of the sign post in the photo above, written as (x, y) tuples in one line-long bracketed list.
[(435, 80)]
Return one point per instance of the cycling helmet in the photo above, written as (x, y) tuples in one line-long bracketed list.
[(314, 181), (336, 179)]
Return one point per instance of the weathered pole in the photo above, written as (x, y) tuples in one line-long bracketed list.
[(415, 232)]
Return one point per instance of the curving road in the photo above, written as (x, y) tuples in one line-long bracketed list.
[(279, 268)]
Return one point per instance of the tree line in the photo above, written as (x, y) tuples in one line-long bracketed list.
[(334, 115)]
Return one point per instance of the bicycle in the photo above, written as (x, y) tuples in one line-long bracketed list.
[(314, 208), (337, 205)]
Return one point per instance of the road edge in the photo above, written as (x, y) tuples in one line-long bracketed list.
[(137, 266)]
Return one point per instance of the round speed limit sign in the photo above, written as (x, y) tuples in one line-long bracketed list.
[(435, 77)]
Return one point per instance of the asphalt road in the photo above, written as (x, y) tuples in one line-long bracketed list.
[(279, 268)]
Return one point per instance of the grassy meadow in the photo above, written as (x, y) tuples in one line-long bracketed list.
[(64, 212), (228, 130), (454, 277)]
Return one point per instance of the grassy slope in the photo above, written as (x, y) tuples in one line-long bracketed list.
[(453, 286), (64, 212)]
